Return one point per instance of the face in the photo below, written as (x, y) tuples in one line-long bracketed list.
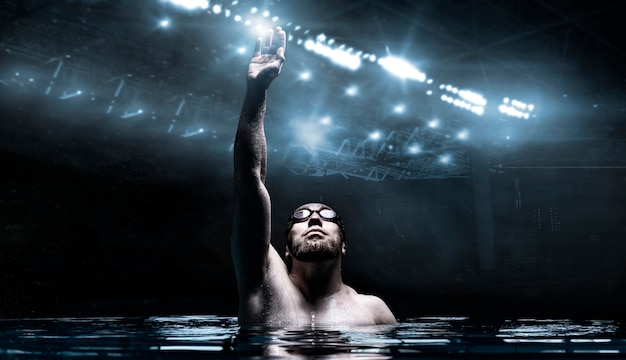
[(315, 239)]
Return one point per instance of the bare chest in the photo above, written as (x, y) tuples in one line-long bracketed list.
[(288, 307)]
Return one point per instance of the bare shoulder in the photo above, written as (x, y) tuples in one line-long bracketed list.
[(377, 308)]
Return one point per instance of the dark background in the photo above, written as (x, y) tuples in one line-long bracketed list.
[(100, 216)]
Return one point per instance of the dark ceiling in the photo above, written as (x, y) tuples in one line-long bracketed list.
[(563, 56)]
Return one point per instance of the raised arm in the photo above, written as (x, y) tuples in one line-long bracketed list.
[(252, 219)]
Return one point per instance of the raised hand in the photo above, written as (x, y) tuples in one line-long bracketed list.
[(268, 58)]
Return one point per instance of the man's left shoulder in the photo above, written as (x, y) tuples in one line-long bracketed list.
[(370, 301), (377, 307)]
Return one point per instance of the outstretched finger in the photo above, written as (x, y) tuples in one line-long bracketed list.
[(257, 47), (268, 40), (281, 38)]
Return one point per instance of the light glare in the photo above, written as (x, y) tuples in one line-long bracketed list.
[(399, 109), (463, 135), (414, 149), (338, 56), (401, 68), (190, 4), (375, 135), (473, 97), (352, 90)]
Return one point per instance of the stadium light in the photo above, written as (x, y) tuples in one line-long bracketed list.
[(127, 115), (192, 133), (401, 68), (337, 55), (71, 95), (190, 4), (375, 135)]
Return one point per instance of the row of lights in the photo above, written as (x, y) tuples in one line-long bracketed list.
[(516, 108), (351, 59)]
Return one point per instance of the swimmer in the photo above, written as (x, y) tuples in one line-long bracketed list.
[(310, 291)]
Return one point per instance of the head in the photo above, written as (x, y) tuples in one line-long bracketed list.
[(315, 232)]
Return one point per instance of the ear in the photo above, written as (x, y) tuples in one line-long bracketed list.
[(343, 248), (287, 253)]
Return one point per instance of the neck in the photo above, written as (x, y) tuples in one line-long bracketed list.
[(317, 280)]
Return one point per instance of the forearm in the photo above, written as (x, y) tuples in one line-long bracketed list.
[(250, 150), (251, 230)]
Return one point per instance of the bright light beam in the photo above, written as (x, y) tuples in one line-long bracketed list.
[(414, 149), (401, 68), (165, 23), (337, 55), (192, 133), (376, 135), (190, 4), (71, 95), (127, 115)]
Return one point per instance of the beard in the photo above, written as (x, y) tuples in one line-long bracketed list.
[(314, 251)]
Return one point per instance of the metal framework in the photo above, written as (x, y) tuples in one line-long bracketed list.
[(379, 160)]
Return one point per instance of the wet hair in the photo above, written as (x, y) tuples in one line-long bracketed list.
[(336, 220)]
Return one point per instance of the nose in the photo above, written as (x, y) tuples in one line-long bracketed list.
[(315, 219)]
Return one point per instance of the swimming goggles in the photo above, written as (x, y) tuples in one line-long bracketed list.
[(305, 214)]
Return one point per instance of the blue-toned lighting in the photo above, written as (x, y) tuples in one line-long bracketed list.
[(254, 10), (516, 108), (164, 23), (376, 135), (127, 115), (192, 133), (433, 123), (414, 149), (305, 76), (445, 159), (241, 50), (467, 99), (217, 8), (476, 109), (310, 133), (463, 135), (71, 95), (401, 68), (190, 4), (337, 55), (399, 109), (326, 120), (352, 90), (473, 97)]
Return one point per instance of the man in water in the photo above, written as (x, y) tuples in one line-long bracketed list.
[(312, 292)]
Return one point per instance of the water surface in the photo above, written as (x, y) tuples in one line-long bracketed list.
[(209, 336)]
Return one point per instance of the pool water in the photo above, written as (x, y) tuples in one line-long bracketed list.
[(209, 336)]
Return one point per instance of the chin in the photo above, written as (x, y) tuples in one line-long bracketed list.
[(315, 256), (314, 252)]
